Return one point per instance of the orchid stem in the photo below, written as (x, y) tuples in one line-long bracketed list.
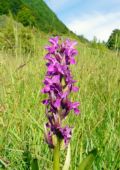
[(56, 156)]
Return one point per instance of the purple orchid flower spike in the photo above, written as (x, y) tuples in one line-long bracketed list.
[(58, 84)]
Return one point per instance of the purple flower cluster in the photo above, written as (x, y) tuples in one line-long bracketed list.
[(58, 84)]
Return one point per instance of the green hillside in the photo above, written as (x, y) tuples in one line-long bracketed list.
[(34, 13)]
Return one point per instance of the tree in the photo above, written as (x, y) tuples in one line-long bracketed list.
[(83, 39), (114, 40), (26, 17)]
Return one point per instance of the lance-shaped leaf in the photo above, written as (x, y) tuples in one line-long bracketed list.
[(34, 164), (87, 162), (27, 158), (68, 157)]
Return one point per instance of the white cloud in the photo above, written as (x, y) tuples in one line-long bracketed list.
[(95, 24)]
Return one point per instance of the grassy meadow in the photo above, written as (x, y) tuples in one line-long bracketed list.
[(22, 116)]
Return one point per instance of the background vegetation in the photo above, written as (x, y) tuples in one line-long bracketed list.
[(22, 69), (22, 114)]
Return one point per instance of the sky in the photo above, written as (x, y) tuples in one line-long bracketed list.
[(91, 18)]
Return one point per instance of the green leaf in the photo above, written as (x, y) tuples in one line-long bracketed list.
[(27, 158), (34, 164), (67, 161), (87, 162)]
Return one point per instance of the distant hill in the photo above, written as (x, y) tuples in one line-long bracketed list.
[(33, 13), (37, 14)]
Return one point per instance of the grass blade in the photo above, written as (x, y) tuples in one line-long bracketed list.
[(68, 157), (3, 163), (87, 162)]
